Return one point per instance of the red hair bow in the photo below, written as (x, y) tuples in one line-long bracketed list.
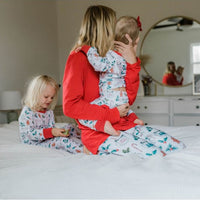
[(139, 23)]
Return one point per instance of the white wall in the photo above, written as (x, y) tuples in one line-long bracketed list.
[(36, 35), (28, 41), (70, 13)]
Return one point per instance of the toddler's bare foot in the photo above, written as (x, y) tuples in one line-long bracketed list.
[(108, 128)]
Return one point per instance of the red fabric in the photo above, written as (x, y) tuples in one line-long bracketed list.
[(100, 125), (132, 80), (126, 123), (80, 87), (47, 133), (170, 79), (42, 111), (85, 48)]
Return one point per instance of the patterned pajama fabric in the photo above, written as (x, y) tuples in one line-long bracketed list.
[(112, 99), (31, 125), (143, 141), (113, 71)]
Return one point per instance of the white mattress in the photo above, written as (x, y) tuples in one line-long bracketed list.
[(35, 172)]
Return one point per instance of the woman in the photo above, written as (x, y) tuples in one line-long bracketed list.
[(80, 87), (169, 78)]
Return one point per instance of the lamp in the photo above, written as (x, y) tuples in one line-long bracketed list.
[(10, 102)]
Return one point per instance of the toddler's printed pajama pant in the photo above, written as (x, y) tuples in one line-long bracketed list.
[(71, 144)]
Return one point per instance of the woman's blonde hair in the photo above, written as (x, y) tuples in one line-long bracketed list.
[(126, 25), (35, 88), (97, 29), (168, 69)]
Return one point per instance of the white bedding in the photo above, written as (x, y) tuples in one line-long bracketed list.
[(35, 172)]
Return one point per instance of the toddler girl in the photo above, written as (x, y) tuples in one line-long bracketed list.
[(36, 121)]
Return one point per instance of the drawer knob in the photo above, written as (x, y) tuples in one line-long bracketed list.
[(145, 107), (145, 123), (197, 124), (138, 107), (197, 107)]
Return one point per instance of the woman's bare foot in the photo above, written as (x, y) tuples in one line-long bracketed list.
[(108, 128), (85, 150)]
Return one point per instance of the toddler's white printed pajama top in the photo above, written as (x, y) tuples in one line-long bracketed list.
[(32, 125)]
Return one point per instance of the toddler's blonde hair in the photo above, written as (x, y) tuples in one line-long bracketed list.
[(35, 88), (126, 25), (97, 29)]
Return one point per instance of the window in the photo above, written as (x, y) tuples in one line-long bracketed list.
[(195, 63), (195, 57)]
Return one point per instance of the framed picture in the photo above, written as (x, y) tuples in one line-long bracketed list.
[(196, 84)]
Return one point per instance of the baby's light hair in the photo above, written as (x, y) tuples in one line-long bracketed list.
[(97, 29), (35, 88), (127, 25)]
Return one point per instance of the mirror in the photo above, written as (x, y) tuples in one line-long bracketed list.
[(170, 39)]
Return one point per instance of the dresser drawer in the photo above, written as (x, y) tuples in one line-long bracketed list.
[(155, 119), (186, 107), (186, 121), (151, 107)]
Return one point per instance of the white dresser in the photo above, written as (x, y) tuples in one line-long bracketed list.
[(169, 111)]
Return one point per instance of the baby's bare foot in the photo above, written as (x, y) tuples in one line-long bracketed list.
[(139, 122), (108, 128)]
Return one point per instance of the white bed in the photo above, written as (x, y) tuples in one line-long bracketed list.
[(28, 172)]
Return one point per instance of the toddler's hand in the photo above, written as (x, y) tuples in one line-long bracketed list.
[(59, 132), (139, 122), (66, 132)]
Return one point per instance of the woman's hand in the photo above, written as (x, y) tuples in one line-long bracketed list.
[(59, 132), (123, 109), (128, 51)]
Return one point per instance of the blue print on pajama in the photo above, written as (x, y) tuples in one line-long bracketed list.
[(170, 148), (149, 128), (151, 154), (144, 147), (163, 141)]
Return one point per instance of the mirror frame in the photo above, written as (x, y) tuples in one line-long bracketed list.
[(141, 49)]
